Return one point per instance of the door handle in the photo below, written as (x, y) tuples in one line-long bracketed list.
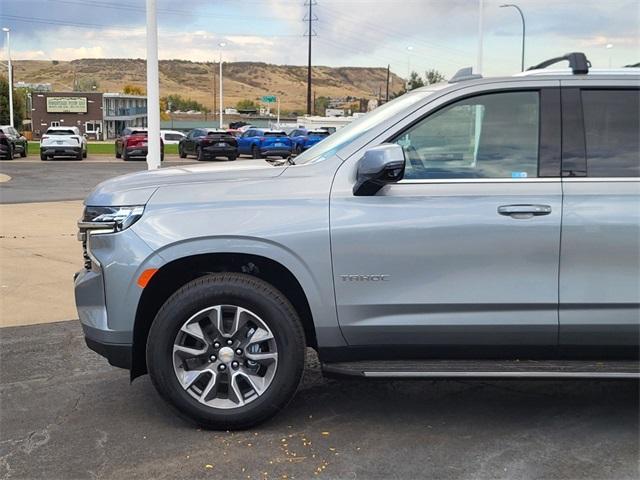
[(524, 211)]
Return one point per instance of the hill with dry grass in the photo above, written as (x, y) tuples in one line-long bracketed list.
[(242, 80)]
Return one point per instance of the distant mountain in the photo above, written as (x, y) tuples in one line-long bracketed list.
[(242, 80)]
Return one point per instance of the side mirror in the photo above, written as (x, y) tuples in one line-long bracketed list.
[(380, 165)]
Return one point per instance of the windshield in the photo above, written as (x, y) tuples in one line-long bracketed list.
[(359, 127)]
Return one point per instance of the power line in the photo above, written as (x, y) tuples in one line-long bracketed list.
[(310, 17)]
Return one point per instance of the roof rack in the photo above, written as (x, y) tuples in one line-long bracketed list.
[(577, 62), (464, 74)]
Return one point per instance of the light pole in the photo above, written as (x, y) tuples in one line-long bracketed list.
[(609, 46), (409, 50), (221, 45), (7, 30), (523, 27), (153, 89)]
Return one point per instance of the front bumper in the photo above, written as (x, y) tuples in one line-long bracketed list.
[(62, 150), (107, 295)]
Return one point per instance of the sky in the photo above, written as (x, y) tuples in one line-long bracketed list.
[(406, 34)]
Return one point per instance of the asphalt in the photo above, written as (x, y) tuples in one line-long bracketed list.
[(65, 413), (33, 180)]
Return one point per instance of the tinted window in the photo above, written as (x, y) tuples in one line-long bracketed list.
[(275, 134), (487, 136), (173, 136), (612, 132)]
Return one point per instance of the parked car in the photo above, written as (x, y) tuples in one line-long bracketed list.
[(480, 228), (63, 142), (208, 143), (304, 139), (171, 137), (260, 142), (132, 143), (232, 131), (12, 143)]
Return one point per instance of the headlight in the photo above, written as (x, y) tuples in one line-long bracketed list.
[(108, 219)]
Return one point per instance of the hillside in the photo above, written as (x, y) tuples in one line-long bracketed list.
[(242, 80)]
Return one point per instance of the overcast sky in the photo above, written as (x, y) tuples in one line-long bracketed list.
[(442, 34)]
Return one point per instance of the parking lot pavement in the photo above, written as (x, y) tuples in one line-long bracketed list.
[(67, 414), (37, 181)]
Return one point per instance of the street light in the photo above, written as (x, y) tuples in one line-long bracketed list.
[(523, 27), (7, 30), (221, 45), (409, 50), (609, 46)]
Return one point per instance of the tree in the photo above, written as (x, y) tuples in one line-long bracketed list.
[(322, 103), (19, 102), (415, 81), (432, 76), (246, 104), (176, 102), (133, 90), (86, 85)]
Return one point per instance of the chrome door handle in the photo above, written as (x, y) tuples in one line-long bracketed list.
[(524, 211)]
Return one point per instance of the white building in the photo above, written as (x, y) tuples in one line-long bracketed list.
[(120, 110)]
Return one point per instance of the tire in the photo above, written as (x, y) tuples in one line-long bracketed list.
[(261, 301), (25, 150), (199, 154), (84, 154), (43, 157), (10, 154), (298, 149), (232, 157), (181, 153), (118, 154), (79, 155), (124, 155), (255, 152), (162, 156)]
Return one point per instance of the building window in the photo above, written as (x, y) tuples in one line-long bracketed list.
[(55, 124), (90, 127)]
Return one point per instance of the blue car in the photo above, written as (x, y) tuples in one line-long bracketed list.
[(260, 143), (304, 139)]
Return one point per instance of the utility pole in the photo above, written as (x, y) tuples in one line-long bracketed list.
[(310, 18), (221, 45), (388, 79)]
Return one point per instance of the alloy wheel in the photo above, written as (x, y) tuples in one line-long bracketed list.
[(225, 356)]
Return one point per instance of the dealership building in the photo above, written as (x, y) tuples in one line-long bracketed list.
[(99, 116)]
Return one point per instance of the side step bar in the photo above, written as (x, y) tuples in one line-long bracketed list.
[(611, 369)]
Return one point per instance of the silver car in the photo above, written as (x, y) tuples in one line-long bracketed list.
[(484, 227)]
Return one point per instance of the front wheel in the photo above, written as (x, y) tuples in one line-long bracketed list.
[(232, 157), (181, 153), (199, 154), (226, 351)]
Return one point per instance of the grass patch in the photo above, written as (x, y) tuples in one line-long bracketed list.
[(101, 148)]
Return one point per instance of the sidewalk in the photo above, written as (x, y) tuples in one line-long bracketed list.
[(39, 254)]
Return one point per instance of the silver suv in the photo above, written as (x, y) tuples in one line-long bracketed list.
[(485, 227)]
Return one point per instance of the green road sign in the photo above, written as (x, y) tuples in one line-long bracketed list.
[(269, 98)]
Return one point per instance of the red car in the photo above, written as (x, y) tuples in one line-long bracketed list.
[(132, 143)]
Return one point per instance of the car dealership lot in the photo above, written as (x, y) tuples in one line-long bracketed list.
[(86, 421), (65, 413)]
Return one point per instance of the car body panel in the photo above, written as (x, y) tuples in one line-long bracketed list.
[(265, 141)]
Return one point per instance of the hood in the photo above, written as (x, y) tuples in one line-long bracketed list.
[(137, 188)]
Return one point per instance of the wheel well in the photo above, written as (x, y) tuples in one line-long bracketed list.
[(179, 272)]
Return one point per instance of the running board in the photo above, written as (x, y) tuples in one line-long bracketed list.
[(612, 369)]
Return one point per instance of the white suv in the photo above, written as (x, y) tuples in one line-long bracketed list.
[(63, 142)]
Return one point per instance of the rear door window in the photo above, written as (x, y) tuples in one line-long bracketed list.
[(612, 132)]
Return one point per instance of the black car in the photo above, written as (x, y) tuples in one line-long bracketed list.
[(208, 143), (12, 143)]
